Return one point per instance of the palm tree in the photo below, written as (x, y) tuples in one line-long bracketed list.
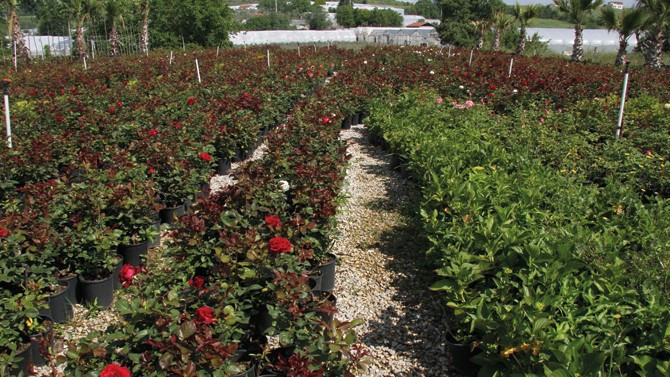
[(578, 10), (144, 33), (501, 23), (625, 23), (523, 17), (658, 20), (480, 26), (113, 10), (82, 11), (14, 29)]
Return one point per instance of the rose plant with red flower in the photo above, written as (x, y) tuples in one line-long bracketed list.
[(114, 370), (205, 314), (280, 245), (273, 221)]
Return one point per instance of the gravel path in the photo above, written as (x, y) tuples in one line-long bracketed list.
[(381, 275)]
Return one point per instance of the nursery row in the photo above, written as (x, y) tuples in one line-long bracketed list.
[(552, 238)]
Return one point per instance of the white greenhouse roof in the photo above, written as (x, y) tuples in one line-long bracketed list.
[(292, 36), (562, 39)]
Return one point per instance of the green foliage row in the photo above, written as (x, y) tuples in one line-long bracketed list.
[(347, 16), (544, 272)]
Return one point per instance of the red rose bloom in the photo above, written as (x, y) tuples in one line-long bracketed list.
[(190, 101), (205, 314), (59, 119), (197, 282), (273, 221), (4, 232), (113, 370), (152, 170), (127, 273), (112, 110), (206, 156), (280, 245), (153, 132), (325, 120)]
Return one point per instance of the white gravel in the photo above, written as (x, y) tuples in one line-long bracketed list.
[(381, 276)]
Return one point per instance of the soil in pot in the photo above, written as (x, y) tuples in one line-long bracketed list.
[(327, 270), (133, 253), (99, 291), (41, 341), (170, 215), (59, 305)]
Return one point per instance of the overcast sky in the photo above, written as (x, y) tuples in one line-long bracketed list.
[(524, 2)]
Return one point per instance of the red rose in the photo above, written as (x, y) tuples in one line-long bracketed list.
[(127, 273), (112, 110), (153, 132), (113, 370), (177, 125), (33, 93), (4, 232), (152, 170), (246, 95), (205, 314), (119, 103), (59, 119), (280, 245), (190, 101), (325, 120), (197, 282), (273, 221), (206, 156)]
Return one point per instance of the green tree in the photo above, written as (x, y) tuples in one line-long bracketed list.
[(625, 23), (113, 12), (271, 21), (457, 16), (653, 38), (82, 11), (318, 20), (523, 15), (144, 32), (277, 6), (345, 16), (501, 23), (425, 8), (52, 16), (578, 11), (199, 22), (14, 29)]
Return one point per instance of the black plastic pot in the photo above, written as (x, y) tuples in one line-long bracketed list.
[(328, 274), (116, 280), (188, 205), (156, 241), (251, 372), (262, 320), (59, 305), (100, 291), (223, 165), (42, 341), (461, 354), (170, 215), (26, 356), (346, 123), (315, 282), (355, 119), (132, 254), (72, 295)]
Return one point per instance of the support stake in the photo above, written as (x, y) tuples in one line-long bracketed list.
[(623, 101), (197, 68), (5, 92), (511, 64)]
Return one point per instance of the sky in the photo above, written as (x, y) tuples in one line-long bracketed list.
[(544, 2)]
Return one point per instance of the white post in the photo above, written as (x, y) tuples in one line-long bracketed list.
[(92, 49), (314, 47), (15, 65), (471, 53), (197, 68), (183, 45), (217, 51), (511, 64), (623, 101), (268, 58), (449, 52), (85, 66), (441, 49), (5, 91), (298, 49), (170, 57)]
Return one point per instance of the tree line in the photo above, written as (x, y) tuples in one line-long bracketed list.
[(465, 23)]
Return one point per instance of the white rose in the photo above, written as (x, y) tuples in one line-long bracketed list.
[(432, 72), (365, 62), (284, 186), (515, 91), (461, 87)]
